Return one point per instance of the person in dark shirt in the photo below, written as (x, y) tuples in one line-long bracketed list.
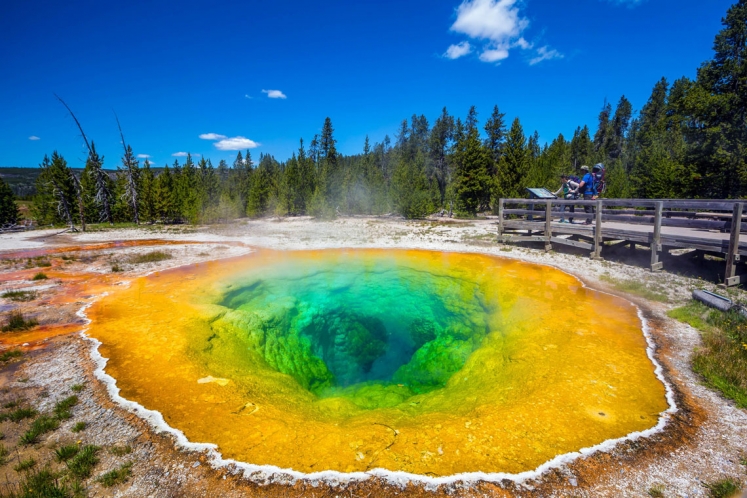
[(586, 188)]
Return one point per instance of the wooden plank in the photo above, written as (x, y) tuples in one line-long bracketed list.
[(598, 238), (574, 243), (548, 226), (501, 203), (731, 255), (656, 239)]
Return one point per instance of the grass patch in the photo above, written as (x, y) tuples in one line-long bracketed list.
[(76, 388), (9, 355), (25, 465), (723, 488), (78, 427), (4, 452), (120, 450), (62, 408), (65, 453), (116, 476), (722, 360), (637, 288), (150, 257), (18, 415), (16, 321), (40, 484), (40, 262), (116, 268), (40, 276), (656, 491), (81, 465), (39, 427), (19, 296)]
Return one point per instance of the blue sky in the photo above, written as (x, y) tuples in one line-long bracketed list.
[(265, 74)]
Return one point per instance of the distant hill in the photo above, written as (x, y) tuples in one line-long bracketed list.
[(23, 180)]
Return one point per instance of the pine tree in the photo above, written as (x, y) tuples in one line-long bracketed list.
[(103, 184), (148, 193), (163, 196), (438, 145), (620, 127), (514, 163), (55, 199), (9, 214), (471, 175)]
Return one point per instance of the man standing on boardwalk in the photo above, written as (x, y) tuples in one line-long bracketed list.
[(586, 188)]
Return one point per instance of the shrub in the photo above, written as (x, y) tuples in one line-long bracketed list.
[(723, 488), (16, 321), (40, 276)]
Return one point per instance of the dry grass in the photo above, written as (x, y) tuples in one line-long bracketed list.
[(16, 321), (652, 292), (722, 360), (149, 257)]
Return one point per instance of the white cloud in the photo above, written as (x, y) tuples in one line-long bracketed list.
[(34, 137), (275, 94), (212, 136), (247, 96), (494, 54), (143, 156), (236, 143), (545, 54), (179, 154), (499, 24), (458, 50)]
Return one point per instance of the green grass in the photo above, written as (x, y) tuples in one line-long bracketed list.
[(9, 355), (637, 288), (65, 453), (18, 415), (39, 484), (76, 388), (116, 268), (16, 321), (116, 476), (62, 408), (722, 359), (723, 488), (25, 465), (78, 427), (4, 452), (120, 450), (81, 465), (40, 276), (39, 427), (19, 296), (150, 257)]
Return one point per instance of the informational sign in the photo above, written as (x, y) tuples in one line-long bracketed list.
[(540, 193)]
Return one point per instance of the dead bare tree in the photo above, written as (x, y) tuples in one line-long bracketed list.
[(63, 207), (103, 193), (131, 172)]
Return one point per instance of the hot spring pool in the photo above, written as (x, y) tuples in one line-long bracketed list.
[(351, 360)]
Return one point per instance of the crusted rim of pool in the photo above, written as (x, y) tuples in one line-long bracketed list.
[(266, 474)]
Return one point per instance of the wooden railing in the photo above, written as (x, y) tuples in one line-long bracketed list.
[(701, 225)]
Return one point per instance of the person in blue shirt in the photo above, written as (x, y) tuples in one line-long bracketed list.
[(586, 188)]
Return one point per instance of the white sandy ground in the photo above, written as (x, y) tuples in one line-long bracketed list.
[(714, 453)]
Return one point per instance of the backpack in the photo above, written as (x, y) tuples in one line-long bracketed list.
[(600, 183)]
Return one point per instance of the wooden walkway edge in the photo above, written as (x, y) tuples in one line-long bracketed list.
[(711, 226)]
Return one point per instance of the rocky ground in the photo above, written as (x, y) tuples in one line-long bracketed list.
[(703, 442)]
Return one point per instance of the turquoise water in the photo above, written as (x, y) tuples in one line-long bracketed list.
[(339, 330)]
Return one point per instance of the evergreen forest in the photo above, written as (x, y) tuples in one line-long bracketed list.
[(689, 140)]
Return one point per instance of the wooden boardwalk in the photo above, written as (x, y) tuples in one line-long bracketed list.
[(711, 226)]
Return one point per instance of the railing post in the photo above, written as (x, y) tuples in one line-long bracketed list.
[(598, 239), (548, 226), (501, 203), (656, 238), (731, 258)]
